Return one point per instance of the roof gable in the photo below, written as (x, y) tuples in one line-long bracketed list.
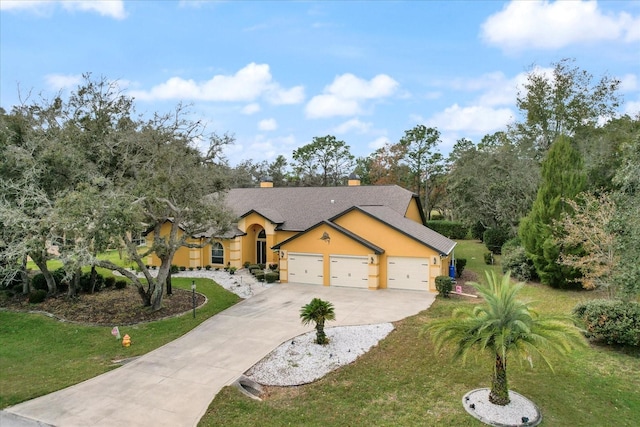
[(410, 228), (376, 249)]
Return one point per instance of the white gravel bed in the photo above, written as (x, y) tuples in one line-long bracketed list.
[(242, 283), (301, 360), (519, 412)]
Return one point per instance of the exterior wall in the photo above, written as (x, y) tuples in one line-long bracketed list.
[(253, 224), (393, 242), (182, 256), (339, 244), (413, 212)]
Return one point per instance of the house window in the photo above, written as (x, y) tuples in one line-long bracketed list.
[(217, 253)]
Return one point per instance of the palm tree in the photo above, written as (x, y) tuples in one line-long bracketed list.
[(318, 311), (504, 325)]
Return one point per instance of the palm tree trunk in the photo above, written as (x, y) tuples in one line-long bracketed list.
[(321, 338), (499, 388)]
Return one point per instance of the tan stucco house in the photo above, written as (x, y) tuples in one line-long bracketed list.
[(357, 236)]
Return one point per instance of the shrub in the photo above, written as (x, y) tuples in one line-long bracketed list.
[(444, 284), (174, 269), (121, 284), (611, 321), (477, 231), (207, 267), (260, 276), (450, 229), (460, 264), (232, 270), (488, 258), (183, 268), (517, 261), (109, 281), (271, 276), (262, 266), (59, 275), (246, 264), (198, 268), (37, 296), (494, 238), (273, 267), (39, 282), (85, 282)]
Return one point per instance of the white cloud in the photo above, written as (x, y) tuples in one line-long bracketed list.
[(379, 142), (261, 148), (332, 105), (247, 84), (60, 81), (632, 108), (345, 95), (251, 108), (268, 124), (552, 25), (476, 120), (110, 8), (278, 96), (354, 125), (629, 82)]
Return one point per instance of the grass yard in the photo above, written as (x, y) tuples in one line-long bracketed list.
[(403, 382), (114, 256), (39, 355)]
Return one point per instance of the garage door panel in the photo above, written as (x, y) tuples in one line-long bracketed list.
[(408, 273), (350, 271), (306, 268)]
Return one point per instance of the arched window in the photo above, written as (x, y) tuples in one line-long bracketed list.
[(217, 253)]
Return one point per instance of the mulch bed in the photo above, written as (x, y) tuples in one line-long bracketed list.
[(108, 307)]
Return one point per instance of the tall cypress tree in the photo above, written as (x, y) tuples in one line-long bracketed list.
[(563, 177)]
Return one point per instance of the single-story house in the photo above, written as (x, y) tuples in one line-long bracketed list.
[(357, 236)]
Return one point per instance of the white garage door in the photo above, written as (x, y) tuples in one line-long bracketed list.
[(351, 271), (408, 273), (306, 268)]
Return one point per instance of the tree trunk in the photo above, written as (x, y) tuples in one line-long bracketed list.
[(156, 296), (24, 277), (321, 338), (169, 289), (41, 262), (93, 278), (74, 284), (499, 388)]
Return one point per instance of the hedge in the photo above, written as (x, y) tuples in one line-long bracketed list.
[(450, 229), (611, 321)]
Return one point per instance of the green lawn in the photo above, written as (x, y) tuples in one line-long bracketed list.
[(114, 256), (39, 355), (403, 382)]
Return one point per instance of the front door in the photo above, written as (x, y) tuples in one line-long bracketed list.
[(261, 248)]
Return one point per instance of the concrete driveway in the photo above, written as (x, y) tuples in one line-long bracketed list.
[(173, 385)]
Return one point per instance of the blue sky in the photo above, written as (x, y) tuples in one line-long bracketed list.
[(277, 73)]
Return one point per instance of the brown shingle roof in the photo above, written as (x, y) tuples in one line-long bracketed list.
[(298, 208)]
